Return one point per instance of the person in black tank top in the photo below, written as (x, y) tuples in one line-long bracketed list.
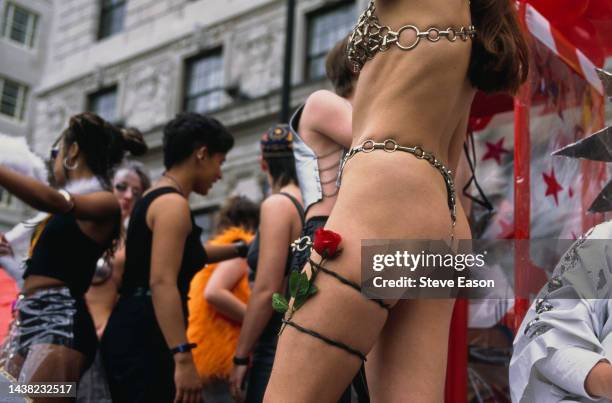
[(53, 337), (144, 347), (281, 220)]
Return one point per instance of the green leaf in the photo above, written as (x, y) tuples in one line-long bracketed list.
[(279, 303), (294, 280), (303, 285), (299, 301)]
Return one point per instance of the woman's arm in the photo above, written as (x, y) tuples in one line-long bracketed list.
[(219, 253), (218, 292), (170, 221), (93, 206), (329, 115), (599, 380), (274, 239)]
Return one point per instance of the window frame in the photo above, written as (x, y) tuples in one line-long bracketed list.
[(310, 17), (8, 23), (101, 92), (104, 10), (187, 66), (21, 101)]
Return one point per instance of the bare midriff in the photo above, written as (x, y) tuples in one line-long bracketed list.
[(36, 282), (420, 97)]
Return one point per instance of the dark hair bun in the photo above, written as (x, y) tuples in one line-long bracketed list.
[(133, 141)]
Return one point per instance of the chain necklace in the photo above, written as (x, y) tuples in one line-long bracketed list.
[(370, 37), (175, 182)]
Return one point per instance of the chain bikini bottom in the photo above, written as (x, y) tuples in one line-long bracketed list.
[(369, 146)]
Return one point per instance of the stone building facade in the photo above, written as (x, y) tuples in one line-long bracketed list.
[(140, 62), (24, 32)]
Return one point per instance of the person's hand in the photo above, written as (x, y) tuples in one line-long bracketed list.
[(186, 379), (5, 246), (237, 379), (598, 382)]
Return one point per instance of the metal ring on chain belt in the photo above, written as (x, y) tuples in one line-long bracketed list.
[(390, 146), (370, 37)]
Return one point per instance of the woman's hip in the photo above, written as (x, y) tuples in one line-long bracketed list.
[(53, 316)]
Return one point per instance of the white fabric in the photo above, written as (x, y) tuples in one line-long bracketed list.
[(16, 155), (576, 333)]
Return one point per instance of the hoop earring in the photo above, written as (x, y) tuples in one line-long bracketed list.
[(69, 167)]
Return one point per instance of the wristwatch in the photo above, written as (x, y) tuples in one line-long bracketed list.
[(183, 348), (241, 360), (241, 248)]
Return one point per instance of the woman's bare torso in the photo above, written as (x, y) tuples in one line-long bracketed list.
[(418, 97)]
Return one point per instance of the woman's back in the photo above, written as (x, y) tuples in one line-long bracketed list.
[(418, 96)]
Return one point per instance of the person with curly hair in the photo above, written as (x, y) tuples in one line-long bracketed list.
[(53, 338)]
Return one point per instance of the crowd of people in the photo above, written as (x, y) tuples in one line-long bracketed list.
[(122, 296)]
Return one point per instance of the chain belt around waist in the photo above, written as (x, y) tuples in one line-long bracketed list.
[(391, 146)]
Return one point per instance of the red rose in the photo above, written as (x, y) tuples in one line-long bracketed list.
[(326, 242)]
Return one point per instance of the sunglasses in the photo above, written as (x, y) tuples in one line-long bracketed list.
[(54, 153), (122, 187), (55, 149)]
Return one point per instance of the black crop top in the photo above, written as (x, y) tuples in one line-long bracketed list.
[(65, 253), (138, 249)]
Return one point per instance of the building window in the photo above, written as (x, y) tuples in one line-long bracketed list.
[(104, 104), (325, 28), (13, 99), (112, 17), (19, 24), (204, 83)]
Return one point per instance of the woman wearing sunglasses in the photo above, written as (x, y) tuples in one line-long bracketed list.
[(53, 338), (129, 183)]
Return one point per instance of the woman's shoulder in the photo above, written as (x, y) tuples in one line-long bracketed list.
[(276, 201), (279, 203), (169, 204), (321, 98)]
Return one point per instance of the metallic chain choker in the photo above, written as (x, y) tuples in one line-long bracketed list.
[(369, 37)]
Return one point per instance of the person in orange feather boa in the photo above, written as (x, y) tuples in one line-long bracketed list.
[(217, 301)]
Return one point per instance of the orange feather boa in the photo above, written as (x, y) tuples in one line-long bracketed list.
[(215, 334)]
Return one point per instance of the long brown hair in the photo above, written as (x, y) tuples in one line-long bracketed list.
[(338, 69), (500, 53)]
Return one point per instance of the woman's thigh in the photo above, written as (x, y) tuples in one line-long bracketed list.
[(408, 361), (306, 369), (52, 363)]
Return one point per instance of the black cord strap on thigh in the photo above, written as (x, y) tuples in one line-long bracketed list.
[(345, 281), (325, 339)]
